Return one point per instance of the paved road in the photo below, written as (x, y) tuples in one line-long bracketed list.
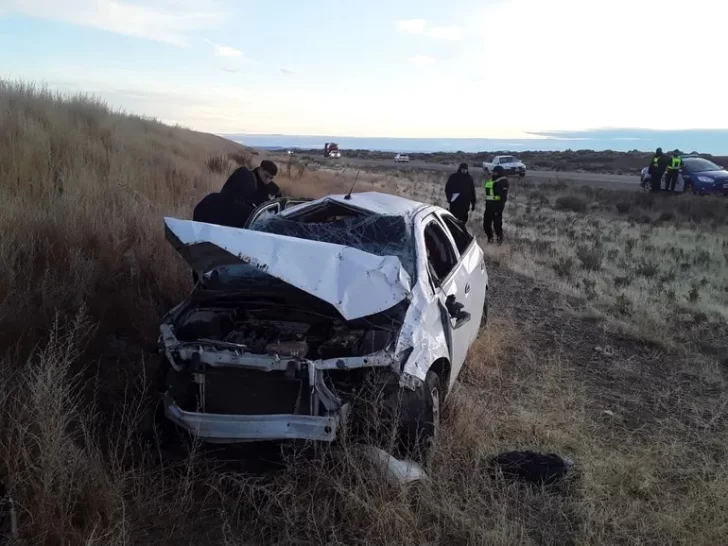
[(615, 181)]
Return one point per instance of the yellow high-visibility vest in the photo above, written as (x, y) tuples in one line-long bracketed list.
[(489, 195)]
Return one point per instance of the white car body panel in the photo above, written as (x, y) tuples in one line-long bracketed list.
[(356, 283)]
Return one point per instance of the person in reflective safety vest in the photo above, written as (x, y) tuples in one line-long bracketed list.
[(657, 167), (496, 195), (673, 171)]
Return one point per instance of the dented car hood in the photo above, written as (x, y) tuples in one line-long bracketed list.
[(356, 283)]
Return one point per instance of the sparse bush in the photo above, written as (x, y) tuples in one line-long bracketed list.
[(666, 216), (218, 164), (564, 267), (644, 200), (242, 159), (623, 305), (694, 295), (572, 203), (590, 288), (647, 269), (590, 256), (623, 207)]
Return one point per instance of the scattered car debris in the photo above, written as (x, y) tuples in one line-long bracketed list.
[(397, 472), (532, 467)]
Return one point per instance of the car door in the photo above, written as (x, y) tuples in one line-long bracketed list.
[(450, 284), (472, 261), (274, 206)]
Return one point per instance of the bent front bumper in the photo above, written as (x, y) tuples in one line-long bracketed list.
[(220, 428)]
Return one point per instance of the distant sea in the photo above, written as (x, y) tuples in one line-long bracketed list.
[(624, 140)]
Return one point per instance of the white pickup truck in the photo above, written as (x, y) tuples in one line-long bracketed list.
[(510, 164)]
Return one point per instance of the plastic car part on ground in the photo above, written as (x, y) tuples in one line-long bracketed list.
[(532, 467), (395, 471)]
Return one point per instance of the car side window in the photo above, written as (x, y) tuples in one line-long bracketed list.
[(461, 237), (441, 256), (272, 208)]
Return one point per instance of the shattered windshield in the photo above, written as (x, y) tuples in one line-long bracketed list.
[(381, 235)]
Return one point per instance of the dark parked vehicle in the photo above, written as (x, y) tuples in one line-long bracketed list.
[(698, 176)]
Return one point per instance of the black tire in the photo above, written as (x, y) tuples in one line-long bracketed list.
[(484, 318), (522, 175), (421, 420)]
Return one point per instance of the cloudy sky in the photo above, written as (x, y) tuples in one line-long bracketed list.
[(409, 68)]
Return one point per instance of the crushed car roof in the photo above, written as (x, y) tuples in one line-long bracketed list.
[(372, 201)]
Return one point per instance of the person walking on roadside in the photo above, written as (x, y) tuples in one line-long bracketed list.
[(657, 168), (496, 195), (460, 193), (673, 170), (266, 188)]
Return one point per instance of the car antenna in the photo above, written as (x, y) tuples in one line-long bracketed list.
[(348, 195)]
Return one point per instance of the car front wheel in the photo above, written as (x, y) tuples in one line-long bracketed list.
[(422, 414), (484, 317)]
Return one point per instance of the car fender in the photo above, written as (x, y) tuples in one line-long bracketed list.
[(423, 336)]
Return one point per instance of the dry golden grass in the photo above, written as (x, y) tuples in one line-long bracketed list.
[(88, 273)]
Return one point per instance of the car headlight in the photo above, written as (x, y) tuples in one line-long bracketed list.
[(705, 179)]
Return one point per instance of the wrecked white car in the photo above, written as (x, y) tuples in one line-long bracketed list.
[(293, 315)]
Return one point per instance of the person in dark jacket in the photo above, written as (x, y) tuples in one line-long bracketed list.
[(460, 193), (232, 205), (266, 188), (657, 168), (496, 195)]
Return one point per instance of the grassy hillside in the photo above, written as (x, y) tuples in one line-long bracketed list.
[(606, 343)]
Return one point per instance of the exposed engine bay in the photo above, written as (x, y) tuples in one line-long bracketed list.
[(286, 333)]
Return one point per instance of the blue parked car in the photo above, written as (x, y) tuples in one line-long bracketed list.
[(698, 176)]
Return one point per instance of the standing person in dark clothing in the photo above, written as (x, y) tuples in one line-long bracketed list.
[(266, 188), (657, 168), (496, 195), (673, 170), (460, 193)]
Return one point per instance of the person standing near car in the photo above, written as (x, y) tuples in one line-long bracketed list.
[(657, 168), (460, 193), (673, 171), (496, 195)]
